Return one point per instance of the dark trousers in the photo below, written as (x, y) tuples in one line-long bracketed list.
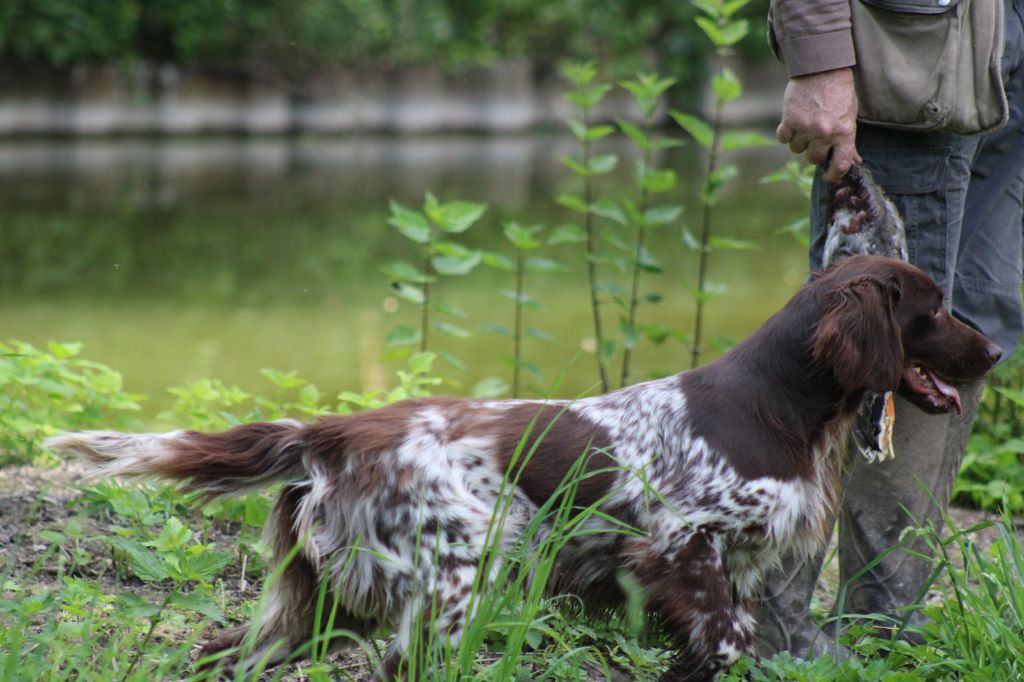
[(962, 199)]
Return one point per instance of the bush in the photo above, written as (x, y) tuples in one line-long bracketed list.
[(46, 392), (993, 466)]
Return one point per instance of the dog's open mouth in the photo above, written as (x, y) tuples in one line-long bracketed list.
[(929, 390)]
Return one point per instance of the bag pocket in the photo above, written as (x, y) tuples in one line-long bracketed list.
[(908, 58)]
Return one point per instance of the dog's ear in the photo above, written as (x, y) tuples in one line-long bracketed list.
[(858, 336)]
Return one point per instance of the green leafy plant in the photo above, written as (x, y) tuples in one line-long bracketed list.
[(415, 383), (524, 239), (719, 23), (43, 392), (586, 92), (993, 466), (440, 256), (800, 176), (647, 91)]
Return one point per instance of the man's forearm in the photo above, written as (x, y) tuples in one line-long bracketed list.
[(813, 35)]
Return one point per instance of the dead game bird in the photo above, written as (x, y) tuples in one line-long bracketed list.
[(862, 219)]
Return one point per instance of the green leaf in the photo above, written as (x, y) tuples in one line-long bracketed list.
[(659, 333), (459, 216), (608, 208), (567, 234), (64, 350), (634, 133), (647, 262), (402, 335), (689, 240), (578, 72), (698, 129), (452, 360), (630, 337), (574, 165), (445, 247), (589, 96), (497, 261), (667, 143), (420, 363), (400, 271), (602, 163), (536, 333), (719, 177), (131, 605), (408, 292), (735, 31), (709, 7), (283, 379), (490, 387), (410, 223), (711, 291), (205, 565), (657, 182), (199, 603), (456, 265), (52, 536), (173, 535), (544, 265), (607, 349), (599, 132), (726, 86), (450, 309), (145, 564), (499, 329), (578, 129), (521, 299), (744, 140), (798, 229), (450, 329), (731, 244), (662, 215), (1013, 395), (653, 297), (572, 202), (522, 237), (712, 31), (730, 7)]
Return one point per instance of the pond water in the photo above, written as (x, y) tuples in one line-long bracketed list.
[(177, 259)]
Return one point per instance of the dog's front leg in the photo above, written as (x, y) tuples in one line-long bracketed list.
[(686, 585)]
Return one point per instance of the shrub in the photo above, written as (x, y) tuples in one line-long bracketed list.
[(46, 392)]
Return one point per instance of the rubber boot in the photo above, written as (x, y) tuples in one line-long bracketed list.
[(881, 500), (783, 612)]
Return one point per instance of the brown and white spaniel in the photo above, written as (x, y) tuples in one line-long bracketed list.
[(718, 470)]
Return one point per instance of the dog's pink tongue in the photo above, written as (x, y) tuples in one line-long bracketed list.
[(948, 391)]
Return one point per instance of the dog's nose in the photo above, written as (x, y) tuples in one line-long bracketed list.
[(994, 353)]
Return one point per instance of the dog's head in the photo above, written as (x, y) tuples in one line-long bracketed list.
[(884, 328)]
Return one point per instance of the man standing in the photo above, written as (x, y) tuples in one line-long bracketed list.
[(961, 198)]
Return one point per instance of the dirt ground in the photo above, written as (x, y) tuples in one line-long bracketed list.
[(35, 499)]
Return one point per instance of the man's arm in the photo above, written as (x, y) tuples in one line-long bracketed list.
[(819, 109)]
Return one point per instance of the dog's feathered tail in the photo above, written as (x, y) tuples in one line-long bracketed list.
[(242, 459)]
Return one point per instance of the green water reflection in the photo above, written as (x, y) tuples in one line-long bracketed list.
[(176, 259)]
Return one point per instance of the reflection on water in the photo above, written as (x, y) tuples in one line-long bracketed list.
[(174, 259)]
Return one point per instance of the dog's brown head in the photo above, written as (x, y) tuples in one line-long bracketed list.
[(884, 328)]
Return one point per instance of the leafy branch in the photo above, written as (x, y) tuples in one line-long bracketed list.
[(586, 93), (647, 90), (439, 256), (724, 31)]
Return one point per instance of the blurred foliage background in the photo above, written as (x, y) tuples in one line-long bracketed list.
[(296, 37)]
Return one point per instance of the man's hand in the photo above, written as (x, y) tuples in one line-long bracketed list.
[(819, 115)]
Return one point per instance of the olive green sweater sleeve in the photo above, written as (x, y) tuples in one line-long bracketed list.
[(812, 35)]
